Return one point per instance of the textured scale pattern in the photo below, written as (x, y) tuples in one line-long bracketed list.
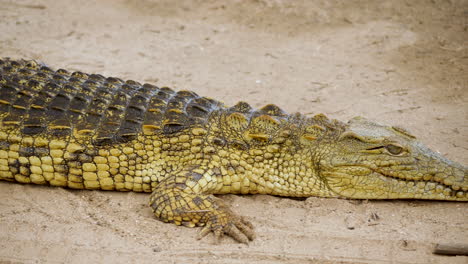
[(40, 101), (87, 131)]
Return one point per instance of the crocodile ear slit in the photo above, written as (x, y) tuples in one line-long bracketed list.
[(350, 135), (403, 131)]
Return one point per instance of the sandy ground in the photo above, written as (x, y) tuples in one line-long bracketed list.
[(396, 62)]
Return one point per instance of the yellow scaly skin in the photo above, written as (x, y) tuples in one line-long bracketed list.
[(90, 132)]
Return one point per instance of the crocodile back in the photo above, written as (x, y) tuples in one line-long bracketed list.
[(38, 101)]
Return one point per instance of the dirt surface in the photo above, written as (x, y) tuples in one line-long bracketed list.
[(396, 62)]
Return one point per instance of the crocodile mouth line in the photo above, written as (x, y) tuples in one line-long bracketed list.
[(461, 193), (453, 193)]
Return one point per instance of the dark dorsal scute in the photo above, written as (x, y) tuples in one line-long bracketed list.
[(134, 116), (32, 65), (60, 127), (180, 99), (41, 77), (8, 93), (80, 75), (90, 123), (186, 95), (112, 118), (58, 114), (46, 70), (128, 89), (63, 72), (149, 88), (78, 105), (15, 64), (51, 88), (133, 83), (76, 81), (241, 107), (157, 105), (25, 72), (59, 78), (201, 107), (273, 110), (23, 100), (3, 79), (167, 90), (175, 116), (34, 85), (60, 102), (8, 69), (15, 117), (35, 122), (96, 78)]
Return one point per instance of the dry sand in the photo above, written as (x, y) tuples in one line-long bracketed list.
[(396, 62)]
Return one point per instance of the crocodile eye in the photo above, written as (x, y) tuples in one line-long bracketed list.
[(394, 149)]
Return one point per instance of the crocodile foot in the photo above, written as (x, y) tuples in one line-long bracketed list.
[(180, 199), (222, 221), (206, 211)]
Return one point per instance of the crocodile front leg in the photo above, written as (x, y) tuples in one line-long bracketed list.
[(185, 198)]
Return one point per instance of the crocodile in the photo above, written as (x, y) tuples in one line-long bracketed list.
[(87, 131)]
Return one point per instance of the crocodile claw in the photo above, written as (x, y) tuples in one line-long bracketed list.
[(227, 223)]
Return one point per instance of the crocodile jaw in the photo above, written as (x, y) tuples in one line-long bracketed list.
[(361, 182)]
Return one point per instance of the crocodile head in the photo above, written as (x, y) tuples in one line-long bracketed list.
[(371, 161)]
